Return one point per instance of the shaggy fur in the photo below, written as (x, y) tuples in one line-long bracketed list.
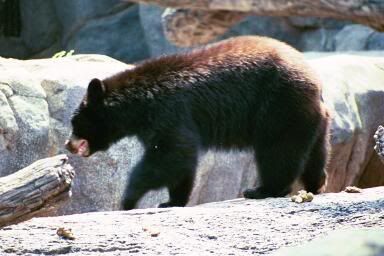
[(244, 93)]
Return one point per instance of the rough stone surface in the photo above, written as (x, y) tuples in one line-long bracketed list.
[(238, 227), (37, 99)]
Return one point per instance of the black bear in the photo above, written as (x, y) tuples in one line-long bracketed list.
[(245, 93)]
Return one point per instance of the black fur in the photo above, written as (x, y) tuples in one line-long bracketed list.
[(246, 92)]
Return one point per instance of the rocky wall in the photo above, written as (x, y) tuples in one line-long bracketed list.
[(130, 32)]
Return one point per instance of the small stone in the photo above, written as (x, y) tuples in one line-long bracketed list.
[(65, 233), (353, 189), (302, 197)]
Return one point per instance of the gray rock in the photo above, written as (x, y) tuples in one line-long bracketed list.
[(360, 243), (32, 117), (150, 18), (376, 41), (74, 13), (353, 38), (217, 166), (37, 109), (41, 28), (353, 91), (49, 52), (260, 25), (8, 124), (317, 40), (13, 47), (119, 36), (237, 227), (315, 22)]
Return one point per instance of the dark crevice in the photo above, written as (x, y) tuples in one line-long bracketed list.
[(10, 18)]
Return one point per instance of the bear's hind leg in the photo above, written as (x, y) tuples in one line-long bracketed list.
[(314, 176), (279, 164), (178, 165)]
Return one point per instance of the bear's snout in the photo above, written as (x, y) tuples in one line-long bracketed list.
[(79, 147)]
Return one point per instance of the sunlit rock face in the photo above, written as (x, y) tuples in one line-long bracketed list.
[(354, 91), (38, 97)]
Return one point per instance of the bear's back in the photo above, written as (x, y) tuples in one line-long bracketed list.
[(182, 69)]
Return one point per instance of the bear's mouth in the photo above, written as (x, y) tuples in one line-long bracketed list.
[(79, 147), (83, 149)]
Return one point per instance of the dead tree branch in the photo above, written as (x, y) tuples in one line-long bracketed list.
[(37, 190), (379, 139)]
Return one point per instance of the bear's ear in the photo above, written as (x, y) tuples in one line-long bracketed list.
[(95, 92)]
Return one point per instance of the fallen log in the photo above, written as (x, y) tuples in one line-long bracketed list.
[(379, 139), (36, 190)]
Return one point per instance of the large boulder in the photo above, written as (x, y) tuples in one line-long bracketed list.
[(236, 227), (353, 90), (37, 99), (131, 47)]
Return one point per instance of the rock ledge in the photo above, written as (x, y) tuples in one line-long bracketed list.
[(235, 227)]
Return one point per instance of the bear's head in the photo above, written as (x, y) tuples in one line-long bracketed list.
[(89, 123)]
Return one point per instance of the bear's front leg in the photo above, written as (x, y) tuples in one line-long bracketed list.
[(171, 162), (179, 193), (142, 179)]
